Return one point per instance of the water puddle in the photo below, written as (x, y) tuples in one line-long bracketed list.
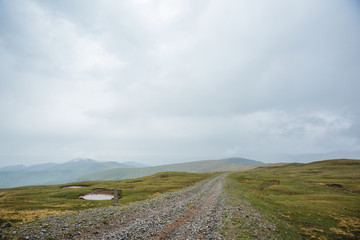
[(97, 196)]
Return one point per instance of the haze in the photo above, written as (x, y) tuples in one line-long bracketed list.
[(167, 81)]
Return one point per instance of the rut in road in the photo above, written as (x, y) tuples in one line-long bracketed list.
[(191, 214), (200, 220)]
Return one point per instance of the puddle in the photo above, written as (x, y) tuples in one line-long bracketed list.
[(100, 194), (97, 196), (75, 186)]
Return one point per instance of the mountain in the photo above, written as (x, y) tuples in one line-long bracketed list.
[(88, 169), (13, 168), (135, 164), (229, 164), (51, 173)]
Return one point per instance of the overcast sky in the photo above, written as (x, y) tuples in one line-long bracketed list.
[(165, 81)]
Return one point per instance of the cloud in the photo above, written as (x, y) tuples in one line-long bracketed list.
[(64, 74), (166, 80)]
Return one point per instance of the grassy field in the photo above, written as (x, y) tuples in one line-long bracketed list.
[(320, 200), (25, 204)]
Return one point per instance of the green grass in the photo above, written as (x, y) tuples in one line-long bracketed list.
[(320, 200), (25, 204)]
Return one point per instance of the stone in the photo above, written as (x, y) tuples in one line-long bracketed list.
[(6, 225)]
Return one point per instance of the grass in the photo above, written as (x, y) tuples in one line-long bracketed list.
[(320, 200), (24, 204)]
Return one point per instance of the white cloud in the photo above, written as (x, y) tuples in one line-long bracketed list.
[(176, 79), (67, 76)]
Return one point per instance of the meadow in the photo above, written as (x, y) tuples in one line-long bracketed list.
[(319, 200), (24, 204)]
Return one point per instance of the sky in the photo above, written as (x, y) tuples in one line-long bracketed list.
[(166, 81)]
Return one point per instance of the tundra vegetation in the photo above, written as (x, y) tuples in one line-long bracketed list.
[(319, 200), (24, 204)]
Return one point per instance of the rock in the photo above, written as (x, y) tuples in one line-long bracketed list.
[(6, 225)]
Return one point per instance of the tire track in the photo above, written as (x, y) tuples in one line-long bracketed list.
[(201, 221)]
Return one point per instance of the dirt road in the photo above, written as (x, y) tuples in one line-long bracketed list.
[(191, 214)]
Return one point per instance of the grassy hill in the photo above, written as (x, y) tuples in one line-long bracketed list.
[(319, 200), (32, 202), (229, 164)]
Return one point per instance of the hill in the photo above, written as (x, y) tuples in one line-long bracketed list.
[(83, 169), (51, 173), (228, 164)]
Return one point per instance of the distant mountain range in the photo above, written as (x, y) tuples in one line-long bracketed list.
[(52, 173), (83, 169), (229, 164)]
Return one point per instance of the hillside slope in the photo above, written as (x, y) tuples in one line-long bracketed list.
[(318, 200), (229, 164), (83, 169)]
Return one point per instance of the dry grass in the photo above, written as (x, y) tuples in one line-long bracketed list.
[(25, 204), (320, 200)]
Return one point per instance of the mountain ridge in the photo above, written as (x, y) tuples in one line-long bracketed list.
[(50, 173), (222, 165), (89, 169)]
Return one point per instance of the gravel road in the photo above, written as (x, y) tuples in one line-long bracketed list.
[(189, 214), (197, 212)]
